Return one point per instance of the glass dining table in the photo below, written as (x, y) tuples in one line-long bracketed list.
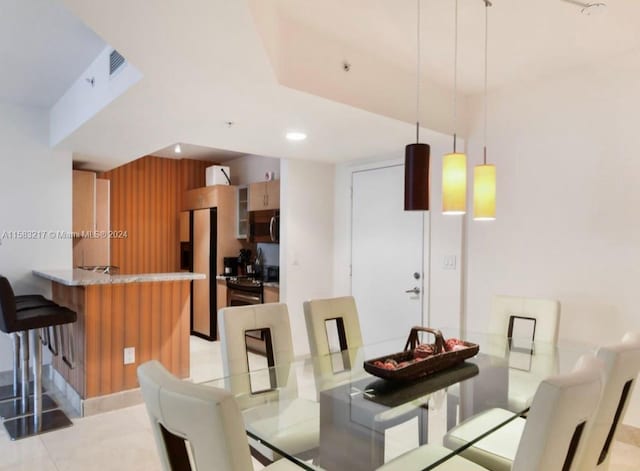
[(357, 421)]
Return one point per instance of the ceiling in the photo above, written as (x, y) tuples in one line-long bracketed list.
[(274, 65), (43, 50), (527, 38), (190, 151)]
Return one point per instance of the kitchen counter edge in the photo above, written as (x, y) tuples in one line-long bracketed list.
[(266, 284), (78, 277)]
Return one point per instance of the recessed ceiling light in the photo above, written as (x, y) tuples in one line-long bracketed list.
[(177, 149), (296, 136)]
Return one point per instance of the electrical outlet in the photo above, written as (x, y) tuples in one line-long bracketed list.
[(129, 355)]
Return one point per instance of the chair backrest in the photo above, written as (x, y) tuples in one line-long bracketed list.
[(621, 366), (545, 312), (559, 418), (234, 322), (8, 315), (318, 311), (196, 428)]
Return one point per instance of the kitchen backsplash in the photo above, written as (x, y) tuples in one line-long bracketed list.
[(270, 253)]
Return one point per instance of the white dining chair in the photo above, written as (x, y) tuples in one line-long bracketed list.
[(621, 364), (554, 434), (336, 352), (551, 438), (532, 323), (343, 310), (195, 427), (289, 422), (545, 312)]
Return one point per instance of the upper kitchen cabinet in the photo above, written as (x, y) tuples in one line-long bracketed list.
[(242, 221), (264, 195), (84, 201), (91, 221)]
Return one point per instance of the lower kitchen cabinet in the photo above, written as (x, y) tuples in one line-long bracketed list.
[(222, 294), (271, 294)]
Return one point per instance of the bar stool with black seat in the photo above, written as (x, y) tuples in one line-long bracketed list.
[(26, 301), (29, 322)]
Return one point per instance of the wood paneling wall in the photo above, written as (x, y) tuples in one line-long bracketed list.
[(145, 201), (151, 317)]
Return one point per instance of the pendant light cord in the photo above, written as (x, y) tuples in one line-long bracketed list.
[(418, 76), (455, 79), (487, 4)]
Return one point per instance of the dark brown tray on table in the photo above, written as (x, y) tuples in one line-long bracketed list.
[(439, 361), (395, 393)]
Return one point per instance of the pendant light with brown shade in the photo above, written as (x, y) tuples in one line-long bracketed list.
[(454, 165), (484, 176), (416, 160)]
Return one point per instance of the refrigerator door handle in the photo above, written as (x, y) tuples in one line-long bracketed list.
[(271, 223)]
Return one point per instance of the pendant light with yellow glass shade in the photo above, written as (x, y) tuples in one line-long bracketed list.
[(484, 176), (454, 165)]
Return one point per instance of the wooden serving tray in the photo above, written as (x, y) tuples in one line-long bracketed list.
[(395, 393), (439, 361)]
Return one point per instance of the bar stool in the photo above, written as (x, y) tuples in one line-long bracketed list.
[(27, 301), (28, 322)]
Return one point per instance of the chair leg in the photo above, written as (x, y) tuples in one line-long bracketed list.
[(16, 364), (36, 345), (13, 391), (39, 422), (24, 371)]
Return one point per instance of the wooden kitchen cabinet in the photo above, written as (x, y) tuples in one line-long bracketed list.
[(271, 294), (91, 219), (184, 227), (222, 294), (84, 201), (264, 195)]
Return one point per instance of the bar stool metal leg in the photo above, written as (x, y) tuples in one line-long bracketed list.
[(39, 421), (36, 345), (16, 364), (24, 371), (13, 391)]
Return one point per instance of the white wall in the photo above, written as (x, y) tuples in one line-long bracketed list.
[(83, 100), (35, 195), (252, 168), (442, 300), (306, 239), (567, 224)]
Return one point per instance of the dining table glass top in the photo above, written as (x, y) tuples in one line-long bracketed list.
[(326, 412)]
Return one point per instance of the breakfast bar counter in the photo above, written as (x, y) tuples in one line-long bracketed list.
[(147, 314)]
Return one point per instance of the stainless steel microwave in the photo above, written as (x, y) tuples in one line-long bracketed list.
[(264, 226)]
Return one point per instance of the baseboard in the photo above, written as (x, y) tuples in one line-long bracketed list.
[(628, 434), (119, 400)]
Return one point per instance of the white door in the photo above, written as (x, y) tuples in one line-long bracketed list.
[(386, 255)]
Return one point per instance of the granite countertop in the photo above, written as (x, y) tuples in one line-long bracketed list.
[(266, 284), (77, 277)]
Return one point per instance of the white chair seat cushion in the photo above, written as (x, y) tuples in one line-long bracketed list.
[(293, 427), (425, 455), (497, 450)]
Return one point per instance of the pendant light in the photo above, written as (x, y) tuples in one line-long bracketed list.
[(416, 156), (484, 176), (454, 165)]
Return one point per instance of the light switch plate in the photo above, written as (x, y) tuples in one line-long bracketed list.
[(129, 355), (449, 262)]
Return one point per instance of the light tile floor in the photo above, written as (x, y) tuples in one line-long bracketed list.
[(121, 440)]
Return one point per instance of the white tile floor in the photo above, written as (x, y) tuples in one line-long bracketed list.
[(121, 440)]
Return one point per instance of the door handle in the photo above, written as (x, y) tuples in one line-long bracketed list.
[(414, 290), (271, 235)]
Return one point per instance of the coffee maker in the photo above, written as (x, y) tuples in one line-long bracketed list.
[(230, 266)]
